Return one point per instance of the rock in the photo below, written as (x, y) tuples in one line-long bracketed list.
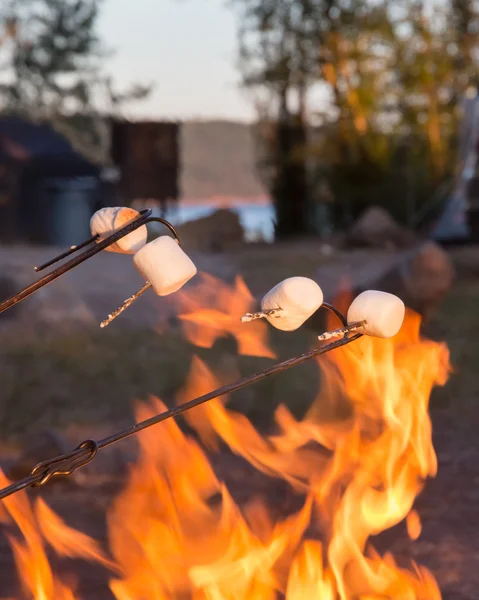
[(217, 232), (421, 278), (376, 227)]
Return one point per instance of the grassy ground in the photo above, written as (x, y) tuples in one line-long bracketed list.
[(457, 322), (96, 375), (263, 267), (90, 375)]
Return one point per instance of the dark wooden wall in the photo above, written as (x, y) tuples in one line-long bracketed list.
[(148, 156)]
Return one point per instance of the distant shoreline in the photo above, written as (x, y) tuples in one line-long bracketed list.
[(225, 201), (256, 213)]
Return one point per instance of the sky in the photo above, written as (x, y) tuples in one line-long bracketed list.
[(187, 48)]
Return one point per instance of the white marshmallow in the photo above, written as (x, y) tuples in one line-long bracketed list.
[(164, 264), (108, 220), (297, 297), (384, 313)]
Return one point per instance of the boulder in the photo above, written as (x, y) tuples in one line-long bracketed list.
[(376, 228), (420, 278), (220, 231)]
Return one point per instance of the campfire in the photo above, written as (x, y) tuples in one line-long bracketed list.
[(355, 464)]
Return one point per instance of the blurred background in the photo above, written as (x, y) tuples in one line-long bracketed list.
[(334, 139), (298, 116)]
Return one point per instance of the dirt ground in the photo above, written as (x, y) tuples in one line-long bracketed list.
[(91, 291), (449, 506), (449, 510)]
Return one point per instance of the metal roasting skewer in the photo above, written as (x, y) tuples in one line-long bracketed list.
[(353, 327), (128, 302), (277, 312), (262, 314), (66, 464), (92, 247), (69, 252)]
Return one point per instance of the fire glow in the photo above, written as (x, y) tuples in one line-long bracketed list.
[(358, 475)]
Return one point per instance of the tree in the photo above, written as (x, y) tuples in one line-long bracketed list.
[(277, 59), (464, 17), (286, 48), (395, 72), (53, 70)]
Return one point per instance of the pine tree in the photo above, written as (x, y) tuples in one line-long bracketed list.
[(54, 71)]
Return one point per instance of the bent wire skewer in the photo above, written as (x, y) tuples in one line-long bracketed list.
[(67, 464), (144, 218)]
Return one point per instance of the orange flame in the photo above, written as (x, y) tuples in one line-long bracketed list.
[(36, 576), (203, 326), (359, 458)]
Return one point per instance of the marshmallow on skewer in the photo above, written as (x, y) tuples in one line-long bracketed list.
[(164, 265), (290, 303), (107, 221), (383, 313)]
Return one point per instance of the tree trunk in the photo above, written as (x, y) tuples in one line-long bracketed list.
[(291, 190)]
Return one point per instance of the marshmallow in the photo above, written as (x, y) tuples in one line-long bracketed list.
[(108, 220), (164, 264), (384, 313), (297, 297)]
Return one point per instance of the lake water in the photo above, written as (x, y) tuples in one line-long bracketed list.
[(257, 219)]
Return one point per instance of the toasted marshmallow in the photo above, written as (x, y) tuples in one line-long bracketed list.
[(112, 218)]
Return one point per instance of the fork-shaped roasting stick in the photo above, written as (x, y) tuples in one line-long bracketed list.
[(327, 335), (128, 302), (92, 246), (165, 267), (287, 306), (69, 252), (66, 464)]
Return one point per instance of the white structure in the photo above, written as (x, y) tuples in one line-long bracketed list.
[(453, 223)]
